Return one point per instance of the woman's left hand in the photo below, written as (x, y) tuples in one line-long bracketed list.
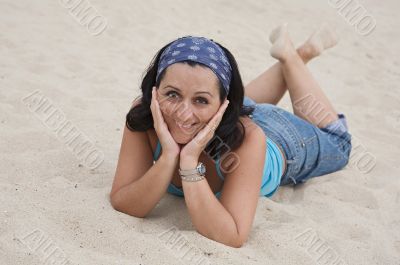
[(192, 150)]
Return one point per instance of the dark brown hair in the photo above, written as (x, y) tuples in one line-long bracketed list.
[(230, 131)]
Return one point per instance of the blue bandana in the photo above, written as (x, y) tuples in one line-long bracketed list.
[(201, 50)]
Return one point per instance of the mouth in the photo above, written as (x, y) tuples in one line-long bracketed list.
[(186, 127)]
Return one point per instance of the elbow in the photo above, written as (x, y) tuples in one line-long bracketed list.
[(234, 242), (238, 241), (237, 244), (120, 205), (115, 202)]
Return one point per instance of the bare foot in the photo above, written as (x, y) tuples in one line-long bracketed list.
[(275, 32), (282, 45), (323, 38)]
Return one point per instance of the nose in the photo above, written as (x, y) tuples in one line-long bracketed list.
[(184, 113)]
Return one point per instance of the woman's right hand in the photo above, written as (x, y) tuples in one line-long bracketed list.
[(169, 146)]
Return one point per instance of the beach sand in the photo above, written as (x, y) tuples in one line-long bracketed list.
[(54, 195)]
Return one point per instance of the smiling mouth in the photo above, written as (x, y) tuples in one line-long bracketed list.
[(185, 127)]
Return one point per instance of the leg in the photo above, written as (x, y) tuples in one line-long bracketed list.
[(270, 86), (308, 99)]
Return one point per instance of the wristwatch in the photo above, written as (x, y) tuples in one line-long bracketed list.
[(192, 175)]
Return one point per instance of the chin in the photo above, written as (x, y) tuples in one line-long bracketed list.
[(182, 139)]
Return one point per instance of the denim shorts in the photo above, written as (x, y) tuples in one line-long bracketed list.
[(309, 151)]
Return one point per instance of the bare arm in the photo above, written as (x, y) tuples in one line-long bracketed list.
[(208, 215), (138, 184), (229, 219)]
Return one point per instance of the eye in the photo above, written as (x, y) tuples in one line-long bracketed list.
[(203, 101), (171, 93), (174, 95)]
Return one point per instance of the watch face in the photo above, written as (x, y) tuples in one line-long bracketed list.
[(201, 169)]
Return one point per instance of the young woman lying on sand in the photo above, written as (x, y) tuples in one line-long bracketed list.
[(196, 131)]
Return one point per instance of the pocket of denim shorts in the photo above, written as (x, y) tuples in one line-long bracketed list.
[(312, 151)]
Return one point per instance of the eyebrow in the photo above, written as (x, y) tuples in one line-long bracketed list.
[(198, 92)]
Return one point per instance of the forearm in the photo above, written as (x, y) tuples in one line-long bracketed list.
[(140, 197), (208, 215)]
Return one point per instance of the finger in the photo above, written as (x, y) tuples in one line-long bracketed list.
[(208, 131), (152, 103), (160, 116), (161, 108), (157, 107), (223, 107), (204, 136), (215, 121), (153, 106)]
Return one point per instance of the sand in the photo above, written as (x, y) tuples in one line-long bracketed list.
[(58, 73)]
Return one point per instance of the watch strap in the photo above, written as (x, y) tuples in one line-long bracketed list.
[(192, 178), (188, 171)]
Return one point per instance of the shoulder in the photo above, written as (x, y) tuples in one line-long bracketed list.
[(150, 133), (254, 141), (136, 101), (253, 132)]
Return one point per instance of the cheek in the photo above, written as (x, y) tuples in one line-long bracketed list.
[(168, 119), (209, 114), (168, 109)]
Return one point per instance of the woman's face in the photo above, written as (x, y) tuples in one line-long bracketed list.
[(188, 97)]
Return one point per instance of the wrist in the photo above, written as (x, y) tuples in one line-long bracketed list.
[(186, 163), (169, 159), (192, 171)]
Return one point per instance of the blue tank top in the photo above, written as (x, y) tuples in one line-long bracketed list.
[(272, 172)]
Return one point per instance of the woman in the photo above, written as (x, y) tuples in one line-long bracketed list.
[(194, 132)]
